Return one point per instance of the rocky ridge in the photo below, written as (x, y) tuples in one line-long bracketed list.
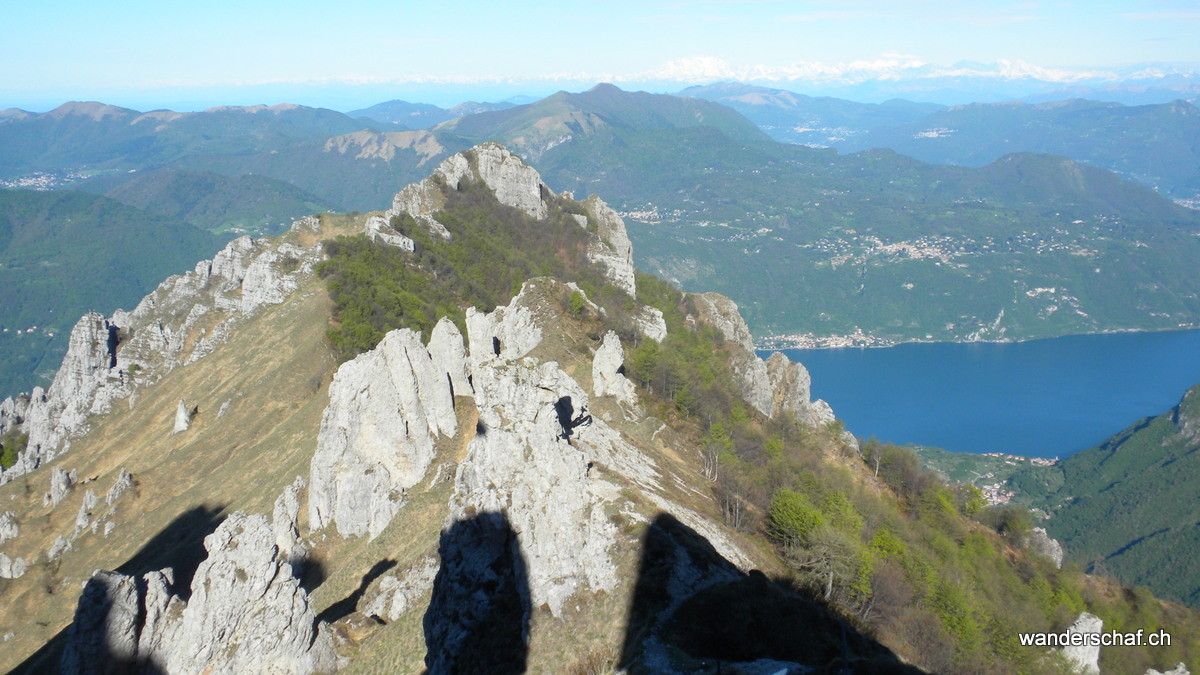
[(518, 185), (777, 385), (246, 613), (183, 320), (553, 469)]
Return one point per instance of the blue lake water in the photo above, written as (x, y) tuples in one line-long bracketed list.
[(1045, 398)]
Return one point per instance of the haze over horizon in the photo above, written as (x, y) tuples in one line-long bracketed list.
[(148, 55)]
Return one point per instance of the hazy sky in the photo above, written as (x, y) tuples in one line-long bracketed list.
[(125, 49)]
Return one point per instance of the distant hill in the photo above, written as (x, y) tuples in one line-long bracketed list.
[(66, 253), (819, 121), (244, 204), (1156, 145), (1129, 506), (535, 128), (93, 137), (423, 115)]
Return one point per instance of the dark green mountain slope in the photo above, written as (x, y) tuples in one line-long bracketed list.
[(819, 121), (1129, 506), (254, 204), (1157, 145), (66, 253)]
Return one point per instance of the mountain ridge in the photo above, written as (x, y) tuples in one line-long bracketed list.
[(581, 473)]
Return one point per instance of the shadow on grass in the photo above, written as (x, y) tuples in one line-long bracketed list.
[(180, 546)]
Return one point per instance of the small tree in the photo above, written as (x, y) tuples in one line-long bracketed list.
[(576, 303), (793, 517)]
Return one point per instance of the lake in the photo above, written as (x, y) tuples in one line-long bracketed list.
[(1044, 398)]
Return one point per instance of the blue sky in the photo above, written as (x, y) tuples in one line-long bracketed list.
[(132, 51)]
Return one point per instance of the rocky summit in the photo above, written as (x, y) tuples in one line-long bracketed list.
[(551, 482)]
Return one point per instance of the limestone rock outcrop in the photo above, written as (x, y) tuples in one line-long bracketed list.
[(61, 483), (610, 246), (378, 229), (1039, 542), (1084, 658), (778, 385), (608, 374), (9, 527), (120, 486), (377, 434), (183, 417), (246, 613), (285, 520), (12, 568), (650, 322), (105, 631)]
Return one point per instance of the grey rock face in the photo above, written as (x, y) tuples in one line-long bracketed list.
[(527, 466), (12, 568), (395, 595), (84, 517), (119, 487), (60, 546), (377, 434), (650, 322), (247, 613), (183, 417), (775, 386), (61, 483), (1084, 658), (449, 354), (607, 375), (378, 229), (285, 520), (105, 631), (507, 333), (791, 392), (514, 183), (611, 246), (9, 527), (1039, 542)]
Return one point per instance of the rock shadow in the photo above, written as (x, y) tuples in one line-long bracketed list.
[(689, 599), (564, 408), (478, 617), (180, 546), (344, 607)]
